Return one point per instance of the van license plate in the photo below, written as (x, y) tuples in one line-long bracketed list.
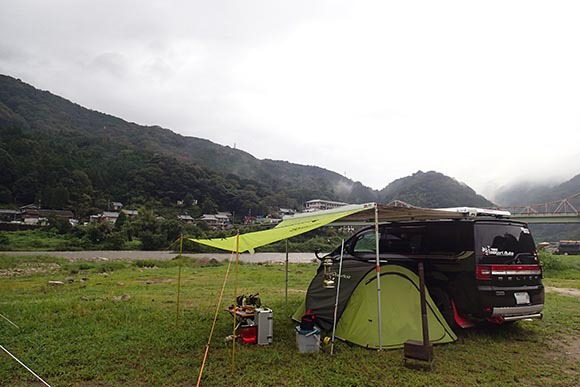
[(522, 298)]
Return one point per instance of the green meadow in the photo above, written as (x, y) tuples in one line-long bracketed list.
[(117, 323)]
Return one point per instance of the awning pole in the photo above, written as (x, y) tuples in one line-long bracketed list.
[(179, 278), (378, 268), (337, 294), (235, 301), (286, 305)]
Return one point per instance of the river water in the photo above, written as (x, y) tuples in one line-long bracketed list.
[(164, 255)]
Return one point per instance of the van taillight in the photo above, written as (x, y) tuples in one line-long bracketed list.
[(516, 270), (482, 272)]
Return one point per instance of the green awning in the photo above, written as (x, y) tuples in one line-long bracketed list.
[(288, 228), (298, 224)]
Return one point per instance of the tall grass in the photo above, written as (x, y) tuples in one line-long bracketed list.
[(560, 266)]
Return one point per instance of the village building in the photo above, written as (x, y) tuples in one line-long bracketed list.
[(32, 214), (286, 211), (116, 206), (318, 205), (187, 219), (111, 216), (217, 221)]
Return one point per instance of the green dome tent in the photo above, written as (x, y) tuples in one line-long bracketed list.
[(357, 307)]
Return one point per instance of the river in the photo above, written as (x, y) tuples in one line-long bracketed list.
[(165, 255)]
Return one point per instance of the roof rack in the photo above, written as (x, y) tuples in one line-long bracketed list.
[(474, 212)]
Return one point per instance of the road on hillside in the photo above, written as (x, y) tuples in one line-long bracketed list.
[(164, 255)]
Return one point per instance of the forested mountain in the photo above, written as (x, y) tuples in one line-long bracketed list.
[(432, 189), (65, 156)]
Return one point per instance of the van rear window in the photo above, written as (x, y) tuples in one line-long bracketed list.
[(504, 243), (437, 238)]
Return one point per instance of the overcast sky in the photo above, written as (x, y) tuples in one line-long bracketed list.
[(486, 92)]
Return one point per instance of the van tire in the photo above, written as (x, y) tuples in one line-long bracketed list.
[(443, 303)]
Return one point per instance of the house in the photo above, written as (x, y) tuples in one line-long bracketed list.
[(187, 219), (32, 214), (219, 220), (131, 213), (116, 206), (318, 204), (286, 211), (107, 216), (111, 216), (10, 215)]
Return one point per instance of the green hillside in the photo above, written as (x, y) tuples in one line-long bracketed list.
[(65, 156)]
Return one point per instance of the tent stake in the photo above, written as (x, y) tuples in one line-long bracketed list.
[(378, 263), (337, 295)]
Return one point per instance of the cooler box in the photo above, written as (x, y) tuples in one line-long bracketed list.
[(265, 321), (249, 334), (307, 341)]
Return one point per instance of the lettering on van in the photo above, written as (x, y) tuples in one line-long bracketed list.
[(487, 250)]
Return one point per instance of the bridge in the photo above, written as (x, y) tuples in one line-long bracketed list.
[(559, 211)]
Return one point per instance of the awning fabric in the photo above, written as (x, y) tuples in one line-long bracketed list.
[(286, 229), (301, 223)]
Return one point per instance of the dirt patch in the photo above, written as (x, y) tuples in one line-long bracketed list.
[(159, 281), (296, 291), (565, 291), (570, 347)]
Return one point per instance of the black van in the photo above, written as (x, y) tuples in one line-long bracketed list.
[(475, 269)]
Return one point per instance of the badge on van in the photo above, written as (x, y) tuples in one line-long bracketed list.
[(487, 250)]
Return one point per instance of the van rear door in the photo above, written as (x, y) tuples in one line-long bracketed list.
[(508, 271)]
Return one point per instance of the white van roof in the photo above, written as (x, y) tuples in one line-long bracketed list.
[(475, 212)]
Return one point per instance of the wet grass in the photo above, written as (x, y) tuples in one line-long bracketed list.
[(75, 334)]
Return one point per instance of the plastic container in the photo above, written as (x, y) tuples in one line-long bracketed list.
[(307, 341), (250, 334)]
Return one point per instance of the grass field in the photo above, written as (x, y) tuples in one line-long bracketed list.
[(76, 334)]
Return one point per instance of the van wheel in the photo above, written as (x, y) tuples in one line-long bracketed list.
[(443, 303)]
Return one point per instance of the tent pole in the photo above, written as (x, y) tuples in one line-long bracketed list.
[(179, 277), (378, 268), (217, 309), (286, 305), (235, 298), (424, 322), (337, 294)]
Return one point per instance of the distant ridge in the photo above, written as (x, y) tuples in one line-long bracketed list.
[(432, 189)]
